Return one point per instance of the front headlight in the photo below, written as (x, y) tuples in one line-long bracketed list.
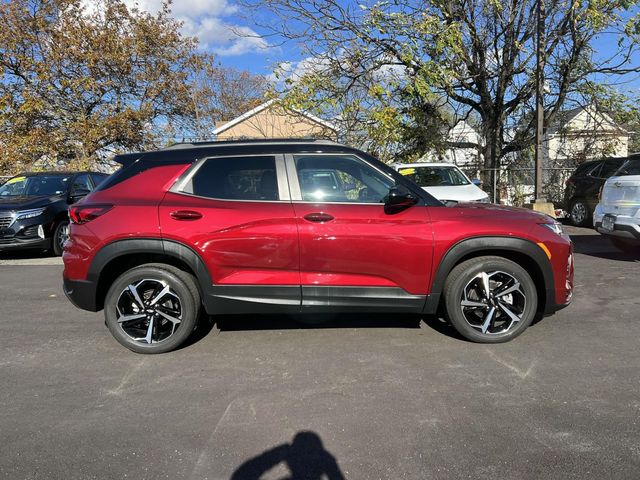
[(483, 199), (555, 227), (25, 214)]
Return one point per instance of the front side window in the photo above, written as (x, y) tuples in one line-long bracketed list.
[(435, 176), (338, 178), (236, 178), (35, 186)]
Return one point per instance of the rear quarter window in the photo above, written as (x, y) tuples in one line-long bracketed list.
[(236, 178), (631, 167)]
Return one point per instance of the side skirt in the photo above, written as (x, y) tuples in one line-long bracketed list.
[(243, 299)]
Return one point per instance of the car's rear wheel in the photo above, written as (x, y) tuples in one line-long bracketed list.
[(580, 214), (60, 236), (490, 299), (152, 308)]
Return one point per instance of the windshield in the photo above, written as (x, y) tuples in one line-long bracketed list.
[(41, 185), (435, 176), (630, 167)]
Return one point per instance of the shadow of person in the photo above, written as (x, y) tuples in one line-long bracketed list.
[(305, 457)]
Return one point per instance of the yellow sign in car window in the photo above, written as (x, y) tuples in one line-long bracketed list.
[(16, 180), (407, 171)]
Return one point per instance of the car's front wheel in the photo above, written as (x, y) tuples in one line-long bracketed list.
[(152, 309), (60, 236), (490, 299)]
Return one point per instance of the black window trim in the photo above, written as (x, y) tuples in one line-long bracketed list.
[(283, 188), (294, 182)]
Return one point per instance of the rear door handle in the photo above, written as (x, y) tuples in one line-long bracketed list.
[(185, 215), (318, 217)]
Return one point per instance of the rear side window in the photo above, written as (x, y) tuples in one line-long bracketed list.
[(631, 167), (608, 168), (236, 178), (97, 179)]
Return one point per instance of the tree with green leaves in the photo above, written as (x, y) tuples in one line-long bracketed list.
[(76, 82), (459, 59)]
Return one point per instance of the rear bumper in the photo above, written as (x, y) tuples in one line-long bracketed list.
[(625, 226), (81, 293)]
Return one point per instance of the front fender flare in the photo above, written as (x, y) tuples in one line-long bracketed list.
[(488, 245)]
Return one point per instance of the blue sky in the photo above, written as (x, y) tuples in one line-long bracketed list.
[(225, 29), (221, 27)]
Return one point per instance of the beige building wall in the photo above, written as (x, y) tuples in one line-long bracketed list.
[(588, 135), (276, 122)]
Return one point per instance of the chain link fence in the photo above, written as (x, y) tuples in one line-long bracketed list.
[(516, 186)]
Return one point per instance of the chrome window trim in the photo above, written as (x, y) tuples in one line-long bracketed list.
[(294, 183), (281, 175)]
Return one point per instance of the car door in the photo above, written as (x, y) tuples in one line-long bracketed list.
[(353, 254), (236, 213)]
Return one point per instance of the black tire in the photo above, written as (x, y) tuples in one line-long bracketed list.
[(60, 234), (183, 296), (580, 214), (469, 321), (626, 246)]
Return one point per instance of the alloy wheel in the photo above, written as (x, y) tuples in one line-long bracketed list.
[(63, 235), (493, 302), (149, 311), (578, 213)]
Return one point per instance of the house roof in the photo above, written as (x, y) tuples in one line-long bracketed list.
[(266, 105)]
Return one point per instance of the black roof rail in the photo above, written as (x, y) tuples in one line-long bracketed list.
[(212, 143)]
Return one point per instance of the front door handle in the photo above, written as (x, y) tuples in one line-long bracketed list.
[(185, 215), (318, 217)]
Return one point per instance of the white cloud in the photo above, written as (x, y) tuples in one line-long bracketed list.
[(204, 19)]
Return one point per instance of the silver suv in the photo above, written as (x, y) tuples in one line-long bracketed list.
[(618, 213)]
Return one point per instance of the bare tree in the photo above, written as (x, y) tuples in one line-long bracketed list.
[(475, 56)]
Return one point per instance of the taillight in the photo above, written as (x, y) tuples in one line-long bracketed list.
[(568, 182), (80, 214)]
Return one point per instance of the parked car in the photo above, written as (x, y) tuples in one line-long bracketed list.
[(618, 213), (33, 208), (300, 227), (444, 181), (583, 186)]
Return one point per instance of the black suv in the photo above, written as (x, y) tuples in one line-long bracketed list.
[(34, 206), (583, 187)]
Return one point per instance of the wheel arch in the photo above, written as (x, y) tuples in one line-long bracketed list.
[(117, 257), (519, 250)]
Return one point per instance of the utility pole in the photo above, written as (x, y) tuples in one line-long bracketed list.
[(540, 203), (539, 99)]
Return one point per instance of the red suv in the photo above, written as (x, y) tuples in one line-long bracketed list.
[(296, 227)]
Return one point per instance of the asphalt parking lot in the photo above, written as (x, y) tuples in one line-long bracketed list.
[(360, 397)]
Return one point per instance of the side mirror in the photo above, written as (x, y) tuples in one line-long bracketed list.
[(398, 200), (477, 182), (78, 194)]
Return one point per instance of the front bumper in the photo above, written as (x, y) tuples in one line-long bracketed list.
[(81, 293), (16, 243), (31, 233)]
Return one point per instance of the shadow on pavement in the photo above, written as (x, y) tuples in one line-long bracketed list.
[(601, 247), (316, 321), (305, 457), (25, 254)]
